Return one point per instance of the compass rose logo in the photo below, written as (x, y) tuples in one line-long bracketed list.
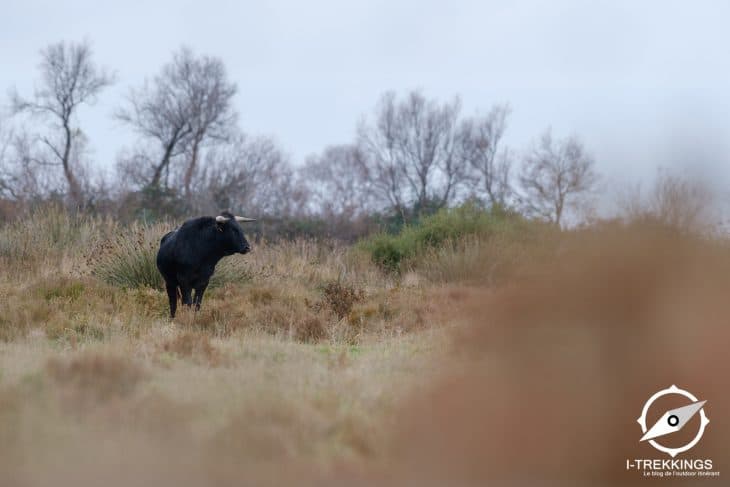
[(673, 420)]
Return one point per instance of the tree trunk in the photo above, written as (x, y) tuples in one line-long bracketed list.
[(191, 167), (165, 161), (73, 185)]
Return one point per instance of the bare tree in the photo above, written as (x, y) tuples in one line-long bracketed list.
[(679, 201), (210, 97), (135, 167), (187, 104), (10, 199), (338, 182), (250, 173), (378, 143), (555, 175), (69, 79), (7, 178), (479, 141), (22, 179), (410, 151)]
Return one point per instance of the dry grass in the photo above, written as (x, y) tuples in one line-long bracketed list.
[(488, 261), (288, 362), (496, 364), (164, 414), (95, 377), (195, 346)]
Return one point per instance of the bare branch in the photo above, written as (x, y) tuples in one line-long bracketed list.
[(186, 105), (69, 78), (339, 182), (554, 175), (480, 143), (410, 152)]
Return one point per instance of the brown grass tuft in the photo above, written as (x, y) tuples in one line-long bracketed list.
[(261, 296), (341, 297), (96, 377), (195, 346), (310, 329), (12, 330)]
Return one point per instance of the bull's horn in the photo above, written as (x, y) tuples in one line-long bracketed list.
[(221, 219), (244, 219)]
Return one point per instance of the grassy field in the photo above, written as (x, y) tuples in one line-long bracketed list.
[(494, 358), (300, 354)]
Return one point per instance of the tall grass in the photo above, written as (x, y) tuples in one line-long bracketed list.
[(128, 259), (313, 262), (49, 233)]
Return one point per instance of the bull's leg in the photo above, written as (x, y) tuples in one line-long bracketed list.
[(199, 291), (186, 292), (171, 288)]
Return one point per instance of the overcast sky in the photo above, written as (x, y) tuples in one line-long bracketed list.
[(643, 83)]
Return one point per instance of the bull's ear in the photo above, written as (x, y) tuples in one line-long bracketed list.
[(220, 222), (244, 219)]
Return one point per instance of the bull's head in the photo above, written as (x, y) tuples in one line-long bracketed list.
[(233, 239)]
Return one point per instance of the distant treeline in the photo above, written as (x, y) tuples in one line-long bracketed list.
[(410, 157)]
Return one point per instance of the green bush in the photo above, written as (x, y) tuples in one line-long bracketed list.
[(386, 251), (394, 253)]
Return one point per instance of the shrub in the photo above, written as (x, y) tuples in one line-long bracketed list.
[(128, 259), (394, 253), (488, 260), (387, 252), (340, 297)]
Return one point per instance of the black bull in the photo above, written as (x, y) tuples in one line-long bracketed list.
[(188, 255)]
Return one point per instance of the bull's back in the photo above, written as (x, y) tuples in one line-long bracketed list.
[(166, 237)]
